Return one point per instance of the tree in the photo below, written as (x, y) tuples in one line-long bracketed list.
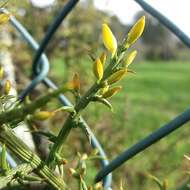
[(158, 42)]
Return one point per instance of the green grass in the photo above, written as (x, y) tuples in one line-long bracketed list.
[(149, 99)]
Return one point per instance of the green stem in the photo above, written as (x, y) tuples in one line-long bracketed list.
[(24, 153), (69, 123), (81, 104), (59, 140), (23, 168), (18, 114)]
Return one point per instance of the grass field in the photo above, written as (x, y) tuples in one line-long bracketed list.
[(150, 98)]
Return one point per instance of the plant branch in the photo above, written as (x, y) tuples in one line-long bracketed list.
[(5, 180), (81, 104), (25, 154), (18, 114)]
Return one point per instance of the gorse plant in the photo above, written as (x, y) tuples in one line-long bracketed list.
[(108, 68)]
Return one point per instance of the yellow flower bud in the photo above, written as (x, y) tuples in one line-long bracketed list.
[(43, 115), (118, 75), (74, 173), (27, 100), (187, 157), (131, 56), (98, 69), (4, 17), (84, 157), (121, 185), (69, 85), (1, 73), (94, 152), (109, 39), (60, 160), (76, 82), (7, 87), (111, 92), (63, 161), (103, 58), (135, 32), (165, 184), (98, 186)]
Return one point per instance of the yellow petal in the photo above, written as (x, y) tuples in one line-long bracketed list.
[(121, 185), (118, 75), (1, 73), (165, 184), (4, 17), (7, 87), (98, 186), (109, 39), (111, 92), (135, 32), (103, 58), (42, 115), (98, 69), (76, 82), (131, 56)]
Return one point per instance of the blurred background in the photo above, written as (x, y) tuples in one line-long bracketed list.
[(155, 94)]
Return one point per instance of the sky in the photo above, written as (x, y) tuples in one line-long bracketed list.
[(176, 10)]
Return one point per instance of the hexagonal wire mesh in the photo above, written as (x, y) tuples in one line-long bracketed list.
[(40, 70)]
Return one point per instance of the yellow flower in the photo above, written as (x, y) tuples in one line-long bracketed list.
[(165, 184), (131, 56), (135, 32), (98, 186), (118, 75), (111, 92), (98, 69), (4, 17), (1, 73), (43, 115), (109, 39), (7, 87), (76, 82)]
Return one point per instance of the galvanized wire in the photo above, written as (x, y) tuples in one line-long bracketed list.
[(141, 145), (165, 21), (43, 67), (51, 31)]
